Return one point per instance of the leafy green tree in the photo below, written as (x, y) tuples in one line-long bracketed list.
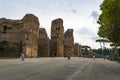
[(115, 45), (109, 20), (86, 50), (102, 41)]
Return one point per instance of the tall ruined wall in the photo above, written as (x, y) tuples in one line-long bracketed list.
[(10, 35), (43, 43), (69, 43), (9, 30), (77, 49), (57, 38), (16, 34), (80, 50), (30, 25)]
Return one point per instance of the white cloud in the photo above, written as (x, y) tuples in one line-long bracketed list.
[(94, 15), (84, 31)]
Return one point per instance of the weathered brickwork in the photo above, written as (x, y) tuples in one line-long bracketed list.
[(77, 49), (17, 34), (43, 44), (25, 36), (57, 38), (69, 43)]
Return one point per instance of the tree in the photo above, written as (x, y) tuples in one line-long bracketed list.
[(115, 45), (86, 50), (102, 41), (109, 20)]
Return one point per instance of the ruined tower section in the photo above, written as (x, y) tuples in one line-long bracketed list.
[(30, 26), (43, 43), (80, 50), (77, 49), (69, 43), (10, 37), (57, 38)]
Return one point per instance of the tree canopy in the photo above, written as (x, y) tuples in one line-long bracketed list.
[(109, 20), (86, 46), (102, 40)]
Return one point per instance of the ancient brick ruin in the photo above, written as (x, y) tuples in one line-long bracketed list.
[(77, 49), (25, 36), (31, 27), (57, 37), (19, 36), (43, 44), (69, 43)]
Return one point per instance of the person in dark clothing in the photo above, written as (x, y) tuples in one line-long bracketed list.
[(69, 56)]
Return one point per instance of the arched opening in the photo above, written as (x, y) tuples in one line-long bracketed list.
[(3, 47), (4, 29)]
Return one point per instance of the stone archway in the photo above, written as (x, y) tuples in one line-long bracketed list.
[(3, 47)]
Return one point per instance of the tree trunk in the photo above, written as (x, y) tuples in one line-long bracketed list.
[(101, 48), (116, 51)]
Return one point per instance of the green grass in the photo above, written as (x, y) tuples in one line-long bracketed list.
[(117, 58)]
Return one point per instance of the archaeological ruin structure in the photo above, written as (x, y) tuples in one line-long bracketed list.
[(57, 38), (77, 49), (69, 43), (18, 36), (43, 43), (26, 36)]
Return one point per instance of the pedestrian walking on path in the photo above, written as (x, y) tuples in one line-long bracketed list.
[(69, 56), (22, 56), (94, 57)]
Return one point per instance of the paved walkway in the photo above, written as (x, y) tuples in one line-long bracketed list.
[(59, 69)]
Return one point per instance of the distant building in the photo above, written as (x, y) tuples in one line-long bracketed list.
[(43, 44), (80, 50), (77, 49)]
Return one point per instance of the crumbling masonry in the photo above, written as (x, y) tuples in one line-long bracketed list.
[(18, 36), (69, 43), (25, 36), (57, 38)]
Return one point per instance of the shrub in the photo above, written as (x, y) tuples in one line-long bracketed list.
[(117, 58)]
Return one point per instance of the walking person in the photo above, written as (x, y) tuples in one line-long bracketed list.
[(94, 57), (69, 56), (22, 56)]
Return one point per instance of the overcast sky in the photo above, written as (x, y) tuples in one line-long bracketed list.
[(81, 15)]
